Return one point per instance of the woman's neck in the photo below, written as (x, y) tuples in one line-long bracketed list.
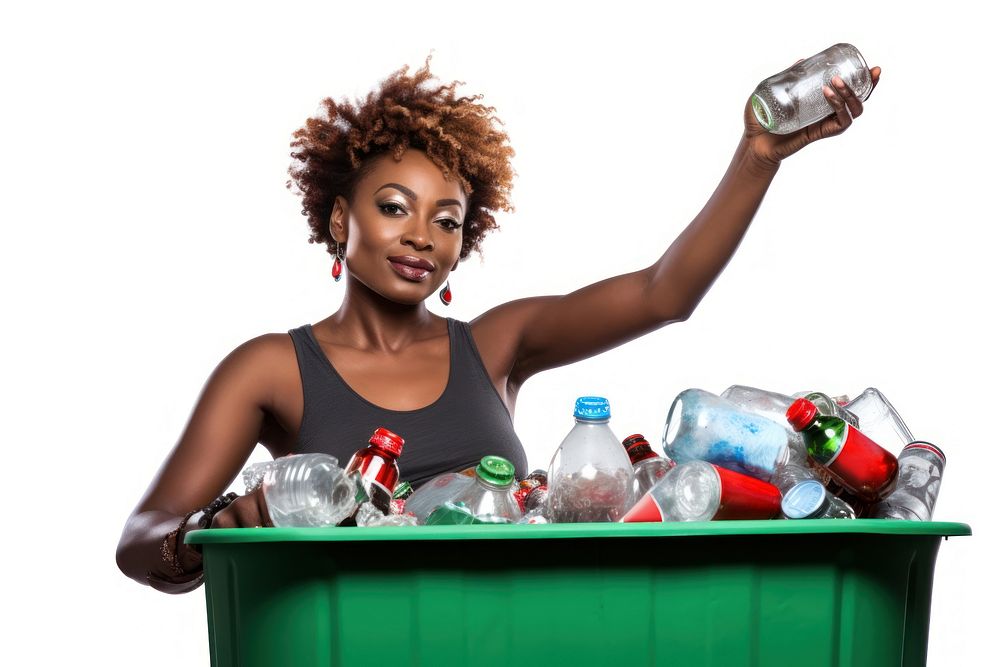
[(367, 320)]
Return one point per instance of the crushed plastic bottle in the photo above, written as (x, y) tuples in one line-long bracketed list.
[(305, 490)]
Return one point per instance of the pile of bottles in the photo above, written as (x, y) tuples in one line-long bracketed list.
[(745, 454)]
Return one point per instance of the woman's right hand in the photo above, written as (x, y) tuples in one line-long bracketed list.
[(247, 511)]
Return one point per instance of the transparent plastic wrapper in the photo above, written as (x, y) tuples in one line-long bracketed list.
[(305, 490), (435, 493), (490, 497), (921, 466), (809, 500), (704, 427), (700, 491), (590, 476), (879, 420), (793, 98), (772, 405)]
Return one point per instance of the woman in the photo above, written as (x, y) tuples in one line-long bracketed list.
[(401, 188)]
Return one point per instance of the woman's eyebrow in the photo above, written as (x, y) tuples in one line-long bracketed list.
[(413, 195)]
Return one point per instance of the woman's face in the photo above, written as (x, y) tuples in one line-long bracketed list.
[(403, 227)]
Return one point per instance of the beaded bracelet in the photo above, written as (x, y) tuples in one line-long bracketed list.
[(170, 546)]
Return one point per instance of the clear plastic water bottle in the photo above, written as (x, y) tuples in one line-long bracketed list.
[(648, 466), (879, 420), (305, 490), (700, 491), (590, 475), (435, 493), (921, 466), (491, 495), (703, 426), (793, 99), (809, 500), (790, 474)]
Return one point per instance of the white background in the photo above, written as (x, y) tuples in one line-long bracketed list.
[(147, 231)]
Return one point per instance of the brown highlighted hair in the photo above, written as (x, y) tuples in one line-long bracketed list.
[(461, 136)]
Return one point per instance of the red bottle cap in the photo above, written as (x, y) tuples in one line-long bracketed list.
[(385, 439), (801, 413)]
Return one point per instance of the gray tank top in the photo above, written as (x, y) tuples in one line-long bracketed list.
[(468, 421)]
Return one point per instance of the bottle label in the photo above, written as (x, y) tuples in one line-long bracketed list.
[(863, 467), (381, 497), (745, 497)]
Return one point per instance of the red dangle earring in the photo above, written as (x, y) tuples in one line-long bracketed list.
[(445, 294), (338, 265)]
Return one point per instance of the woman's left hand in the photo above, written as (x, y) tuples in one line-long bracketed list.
[(773, 148)]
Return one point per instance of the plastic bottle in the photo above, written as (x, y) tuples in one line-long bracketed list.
[(376, 463), (854, 461), (772, 405), (648, 466), (921, 466), (809, 500), (793, 99), (435, 493), (700, 491), (879, 420), (790, 474), (305, 490), (590, 475), (703, 426), (491, 496)]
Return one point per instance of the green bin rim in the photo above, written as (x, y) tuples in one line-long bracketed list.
[(580, 530)]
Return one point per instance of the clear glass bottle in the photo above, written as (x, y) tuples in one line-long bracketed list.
[(861, 466), (590, 475), (648, 466), (772, 405), (793, 98), (491, 496), (809, 500), (879, 420), (921, 466), (703, 426), (700, 491), (305, 490)]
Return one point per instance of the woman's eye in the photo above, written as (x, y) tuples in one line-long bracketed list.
[(391, 209), (449, 223)]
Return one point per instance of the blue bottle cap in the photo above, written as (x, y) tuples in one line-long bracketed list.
[(804, 500), (592, 408)]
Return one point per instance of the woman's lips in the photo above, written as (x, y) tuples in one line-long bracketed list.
[(413, 273)]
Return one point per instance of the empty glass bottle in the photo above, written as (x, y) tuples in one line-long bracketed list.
[(793, 99), (376, 463), (879, 420), (649, 467), (703, 426)]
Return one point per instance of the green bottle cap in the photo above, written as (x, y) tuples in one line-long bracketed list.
[(496, 470)]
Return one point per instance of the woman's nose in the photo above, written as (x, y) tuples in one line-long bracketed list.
[(417, 235)]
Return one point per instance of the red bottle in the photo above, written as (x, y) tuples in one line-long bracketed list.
[(854, 461), (377, 466)]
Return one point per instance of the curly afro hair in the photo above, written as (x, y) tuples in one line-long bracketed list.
[(462, 137)]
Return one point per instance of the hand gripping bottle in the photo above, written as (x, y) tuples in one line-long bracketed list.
[(305, 490), (490, 498), (854, 461), (793, 99), (649, 468), (703, 426), (590, 475), (377, 466), (700, 491)]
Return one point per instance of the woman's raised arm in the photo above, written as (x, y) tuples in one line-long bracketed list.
[(219, 438), (555, 330)]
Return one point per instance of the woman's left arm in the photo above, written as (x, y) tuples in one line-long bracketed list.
[(552, 331)]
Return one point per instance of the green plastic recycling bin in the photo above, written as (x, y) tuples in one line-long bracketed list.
[(727, 594)]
